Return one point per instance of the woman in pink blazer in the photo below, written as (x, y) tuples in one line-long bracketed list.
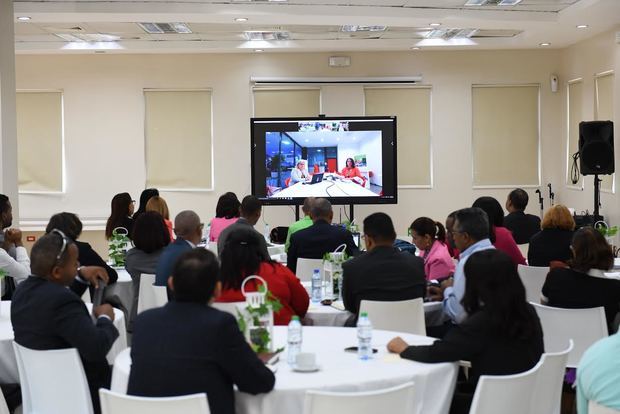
[(428, 236)]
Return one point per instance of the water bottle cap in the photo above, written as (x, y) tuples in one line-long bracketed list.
[(317, 270), (295, 318), (364, 314)]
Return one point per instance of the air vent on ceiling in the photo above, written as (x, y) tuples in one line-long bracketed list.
[(161, 28), (451, 33), (347, 28), (492, 2), (260, 35), (87, 37)]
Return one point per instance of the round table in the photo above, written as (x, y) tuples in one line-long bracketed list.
[(340, 371), (8, 364)]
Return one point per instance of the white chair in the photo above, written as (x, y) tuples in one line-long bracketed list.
[(524, 249), (229, 307), (305, 268), (548, 391), (4, 409), (595, 408), (150, 296), (212, 246), (396, 400), (40, 375), (115, 403), (583, 326), (533, 279), (86, 298), (400, 316), (505, 394)]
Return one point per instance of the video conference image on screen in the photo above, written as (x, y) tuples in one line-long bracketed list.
[(336, 159)]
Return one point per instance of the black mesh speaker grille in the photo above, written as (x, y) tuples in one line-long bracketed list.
[(596, 147)]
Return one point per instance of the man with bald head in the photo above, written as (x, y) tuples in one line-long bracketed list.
[(320, 238), (47, 315), (188, 229)]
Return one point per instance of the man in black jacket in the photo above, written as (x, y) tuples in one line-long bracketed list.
[(46, 315), (523, 226), (188, 347), (320, 238), (384, 272)]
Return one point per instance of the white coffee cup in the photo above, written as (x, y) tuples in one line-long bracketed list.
[(305, 360)]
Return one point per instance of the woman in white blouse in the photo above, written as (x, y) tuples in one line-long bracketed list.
[(299, 173)]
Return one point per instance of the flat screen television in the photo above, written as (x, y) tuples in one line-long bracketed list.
[(348, 160)]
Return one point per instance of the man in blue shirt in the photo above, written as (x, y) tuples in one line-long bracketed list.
[(598, 376), (471, 235)]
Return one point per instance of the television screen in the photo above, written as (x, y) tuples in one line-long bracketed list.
[(349, 160)]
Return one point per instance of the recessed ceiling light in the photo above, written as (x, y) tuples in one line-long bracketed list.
[(241, 19), (415, 48), (259, 50), (545, 44), (582, 26), (23, 18), (434, 24)]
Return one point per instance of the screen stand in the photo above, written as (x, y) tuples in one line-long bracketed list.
[(296, 212), (597, 197), (351, 213)]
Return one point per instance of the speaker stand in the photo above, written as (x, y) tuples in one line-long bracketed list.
[(597, 197)]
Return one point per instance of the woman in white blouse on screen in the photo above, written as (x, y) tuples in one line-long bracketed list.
[(299, 173)]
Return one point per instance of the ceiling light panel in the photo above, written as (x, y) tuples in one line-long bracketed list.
[(254, 35), (161, 28)]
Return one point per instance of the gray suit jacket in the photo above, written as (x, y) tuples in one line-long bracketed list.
[(242, 223)]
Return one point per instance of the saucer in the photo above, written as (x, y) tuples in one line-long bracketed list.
[(306, 369)]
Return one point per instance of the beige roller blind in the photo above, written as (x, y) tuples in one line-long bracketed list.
[(505, 135), (575, 116), (178, 139), (412, 107), (605, 112), (39, 141), (286, 102)]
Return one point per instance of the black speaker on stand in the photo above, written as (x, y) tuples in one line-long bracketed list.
[(596, 154)]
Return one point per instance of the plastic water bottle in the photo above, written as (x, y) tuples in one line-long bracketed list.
[(364, 337), (267, 234), (294, 340), (317, 286)]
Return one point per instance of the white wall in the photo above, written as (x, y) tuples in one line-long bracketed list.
[(104, 118), (374, 159)]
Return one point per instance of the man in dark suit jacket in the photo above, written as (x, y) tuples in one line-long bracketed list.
[(188, 229), (523, 226), (188, 347), (320, 238), (46, 315), (384, 272), (250, 211)]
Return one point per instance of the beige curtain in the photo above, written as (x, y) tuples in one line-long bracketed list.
[(412, 108), (575, 116), (605, 112), (505, 136), (178, 137), (39, 141), (286, 102)]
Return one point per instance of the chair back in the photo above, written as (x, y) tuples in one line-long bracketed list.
[(400, 316), (548, 391), (395, 400), (505, 394), (533, 279), (115, 403), (40, 370), (583, 326), (305, 268), (212, 246), (150, 296), (86, 297), (596, 408), (229, 307)]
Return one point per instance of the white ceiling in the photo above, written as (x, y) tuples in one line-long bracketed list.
[(314, 25)]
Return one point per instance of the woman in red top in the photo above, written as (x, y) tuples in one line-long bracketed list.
[(500, 236), (351, 170), (242, 257)]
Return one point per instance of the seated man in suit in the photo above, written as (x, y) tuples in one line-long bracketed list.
[(188, 347), (46, 315), (523, 226), (188, 229), (384, 272), (320, 238), (249, 213)]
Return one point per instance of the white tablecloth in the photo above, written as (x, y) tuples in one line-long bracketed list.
[(120, 293), (8, 365), (321, 315), (326, 188), (340, 371)]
